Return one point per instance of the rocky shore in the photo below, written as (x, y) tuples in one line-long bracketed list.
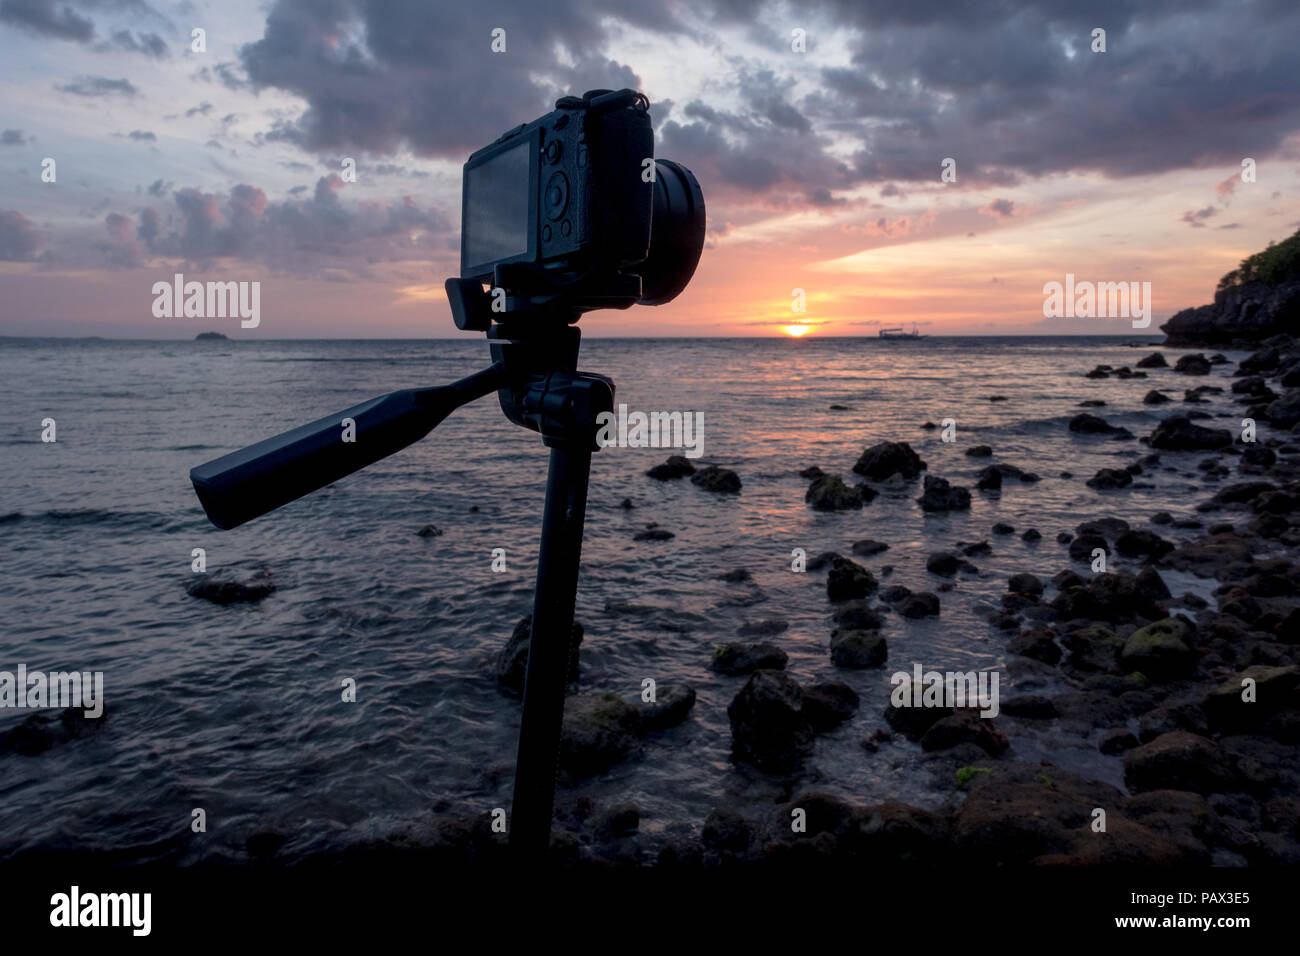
[(1194, 704)]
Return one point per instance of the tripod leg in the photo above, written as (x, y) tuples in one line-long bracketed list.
[(548, 656)]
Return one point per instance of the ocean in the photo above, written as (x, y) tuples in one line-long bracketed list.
[(237, 709)]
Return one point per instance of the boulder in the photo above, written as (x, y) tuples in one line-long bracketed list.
[(512, 662), (887, 459), (720, 480), (768, 726), (830, 493), (676, 466), (1181, 761), (857, 650), (735, 659), (1179, 434), (1163, 650), (938, 495), (1086, 424)]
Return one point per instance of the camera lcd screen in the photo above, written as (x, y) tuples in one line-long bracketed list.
[(497, 207)]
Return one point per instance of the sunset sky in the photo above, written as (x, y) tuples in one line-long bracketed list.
[(820, 169)]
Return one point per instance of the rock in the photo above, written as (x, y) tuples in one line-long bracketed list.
[(430, 531), (1117, 741), (720, 480), (1092, 403), (1247, 312), (512, 663), (918, 605), (938, 495), (990, 479), (736, 576), (1162, 517), (896, 593), (1212, 556), (1113, 596), (1082, 547), (868, 547), (265, 842), (857, 650), (599, 730), (735, 659), (1154, 360), (979, 451), (1275, 690), (1030, 706), (222, 587), (812, 473), (1100, 371), (620, 820), (964, 727), (626, 504), (830, 493), (1181, 761), (726, 830), (856, 616), (1152, 585), (654, 534), (39, 733), (768, 726), (1162, 650), (827, 704), (847, 580), (1285, 411), (1025, 583), (1196, 364), (1142, 543), (1109, 479), (1031, 535), (1154, 397), (1106, 527), (673, 701), (946, 564), (1085, 424), (889, 458), (1179, 434), (676, 466), (1037, 644)]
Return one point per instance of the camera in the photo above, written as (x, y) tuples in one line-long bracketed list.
[(573, 210)]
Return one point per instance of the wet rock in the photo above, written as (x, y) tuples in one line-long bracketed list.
[(736, 659), (946, 564), (1195, 364), (673, 702), (938, 495), (979, 451), (1038, 644), (619, 820), (720, 480), (1211, 556), (1154, 360), (1258, 457), (825, 559), (654, 534), (964, 727), (222, 587), (857, 650), (39, 733), (1085, 424), (1082, 547), (1113, 596), (1169, 717), (1179, 434), (626, 504), (1031, 535), (897, 592), (512, 663), (827, 704), (812, 473), (868, 547), (1285, 411), (1092, 403), (1025, 583), (830, 493), (848, 580), (736, 576), (1109, 479), (970, 549), (857, 616), (599, 731), (889, 458), (430, 531), (1154, 397), (675, 467), (1162, 517), (1100, 371), (1181, 761), (768, 726), (1162, 650), (1275, 689), (1030, 706), (1142, 543), (989, 479), (1152, 585), (727, 831), (1117, 741), (918, 605)]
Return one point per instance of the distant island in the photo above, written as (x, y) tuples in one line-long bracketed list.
[(206, 336), (1258, 300)]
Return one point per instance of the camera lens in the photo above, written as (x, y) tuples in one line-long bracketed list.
[(676, 233)]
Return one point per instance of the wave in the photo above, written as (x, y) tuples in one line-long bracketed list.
[(80, 517)]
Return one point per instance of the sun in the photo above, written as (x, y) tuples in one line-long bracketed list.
[(795, 330)]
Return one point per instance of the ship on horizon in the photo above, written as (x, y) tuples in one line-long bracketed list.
[(898, 333)]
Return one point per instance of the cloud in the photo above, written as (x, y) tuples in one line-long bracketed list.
[(999, 207), (98, 86), (13, 137), (309, 237), (150, 44), (18, 237), (203, 109), (1195, 218), (47, 18), (142, 135)]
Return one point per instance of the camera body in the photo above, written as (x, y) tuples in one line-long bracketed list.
[(565, 194)]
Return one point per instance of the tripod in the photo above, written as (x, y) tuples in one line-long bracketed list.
[(534, 372)]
